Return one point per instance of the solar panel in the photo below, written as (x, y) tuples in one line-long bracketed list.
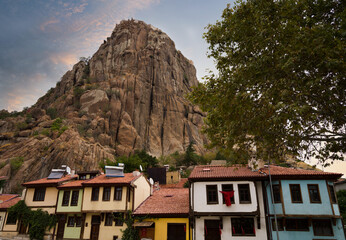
[(112, 171), (56, 174)]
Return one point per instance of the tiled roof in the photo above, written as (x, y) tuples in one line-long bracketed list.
[(102, 180), (8, 200), (222, 172), (73, 184), (180, 184), (166, 201), (277, 171), (49, 182)]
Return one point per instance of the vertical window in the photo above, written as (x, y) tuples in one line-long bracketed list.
[(75, 196), (277, 193), (106, 194), (119, 219), (212, 196), (296, 194), (65, 198), (332, 193), (314, 193), (227, 188), (297, 225), (244, 193), (109, 219), (118, 193), (280, 223), (95, 194), (11, 219), (322, 227), (78, 221), (70, 221), (243, 227), (39, 194)]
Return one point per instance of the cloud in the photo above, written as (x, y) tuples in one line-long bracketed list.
[(48, 22), (64, 58)]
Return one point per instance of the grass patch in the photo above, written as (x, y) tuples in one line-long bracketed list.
[(16, 163)]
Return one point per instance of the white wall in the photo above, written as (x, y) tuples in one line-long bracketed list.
[(142, 190), (200, 198)]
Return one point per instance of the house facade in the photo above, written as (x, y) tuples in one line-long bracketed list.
[(166, 215), (8, 225), (227, 203), (303, 203)]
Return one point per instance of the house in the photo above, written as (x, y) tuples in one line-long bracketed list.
[(108, 195), (166, 215), (340, 185), (43, 193), (69, 206), (8, 224), (304, 204), (227, 203)]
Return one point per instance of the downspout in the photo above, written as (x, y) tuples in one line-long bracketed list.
[(272, 196)]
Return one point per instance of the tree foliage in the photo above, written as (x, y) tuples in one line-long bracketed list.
[(280, 87), (341, 195)]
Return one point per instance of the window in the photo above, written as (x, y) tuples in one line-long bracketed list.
[(314, 193), (244, 193), (322, 227), (95, 194), (212, 197), (78, 221), (243, 227), (296, 194), (65, 198), (11, 219), (109, 219), (70, 221), (39, 194), (75, 196), (106, 194), (297, 225), (332, 193), (128, 194), (119, 219), (227, 188), (118, 193), (276, 193), (280, 222)]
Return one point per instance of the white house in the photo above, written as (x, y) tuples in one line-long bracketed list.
[(211, 218)]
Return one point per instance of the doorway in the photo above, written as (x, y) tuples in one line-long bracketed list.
[(176, 231), (95, 227)]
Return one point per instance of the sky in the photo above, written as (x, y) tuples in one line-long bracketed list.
[(42, 39)]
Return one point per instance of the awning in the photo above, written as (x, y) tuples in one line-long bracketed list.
[(143, 224)]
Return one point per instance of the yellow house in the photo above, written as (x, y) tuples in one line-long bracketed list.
[(168, 215), (105, 196), (8, 225), (43, 194)]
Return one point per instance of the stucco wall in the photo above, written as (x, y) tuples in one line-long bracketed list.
[(50, 197), (69, 208), (72, 232), (200, 198), (9, 227), (142, 190), (161, 226)]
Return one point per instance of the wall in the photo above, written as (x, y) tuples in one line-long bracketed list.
[(200, 198), (142, 190), (172, 177), (72, 232), (49, 199), (2, 221), (161, 226), (69, 208), (106, 232), (100, 205), (11, 229)]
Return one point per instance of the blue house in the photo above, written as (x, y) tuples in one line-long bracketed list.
[(301, 204)]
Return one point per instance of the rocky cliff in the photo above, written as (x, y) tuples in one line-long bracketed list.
[(131, 94)]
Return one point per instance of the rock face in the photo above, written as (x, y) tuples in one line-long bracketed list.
[(130, 95)]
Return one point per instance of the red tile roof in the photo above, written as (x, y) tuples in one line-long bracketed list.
[(8, 200), (72, 184), (244, 172), (166, 202), (180, 184), (49, 182), (103, 180), (224, 172)]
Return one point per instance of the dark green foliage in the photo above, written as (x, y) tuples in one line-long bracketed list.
[(52, 113), (281, 80), (131, 233), (39, 220), (106, 162), (56, 124), (341, 195), (186, 184), (16, 163), (78, 92), (22, 126)]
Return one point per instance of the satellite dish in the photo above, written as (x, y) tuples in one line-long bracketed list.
[(141, 168), (151, 181)]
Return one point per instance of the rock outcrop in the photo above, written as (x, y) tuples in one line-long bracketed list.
[(131, 94)]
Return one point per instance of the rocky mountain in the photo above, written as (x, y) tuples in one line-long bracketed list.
[(131, 94)]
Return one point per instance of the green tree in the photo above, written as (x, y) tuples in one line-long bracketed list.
[(341, 195), (280, 87)]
